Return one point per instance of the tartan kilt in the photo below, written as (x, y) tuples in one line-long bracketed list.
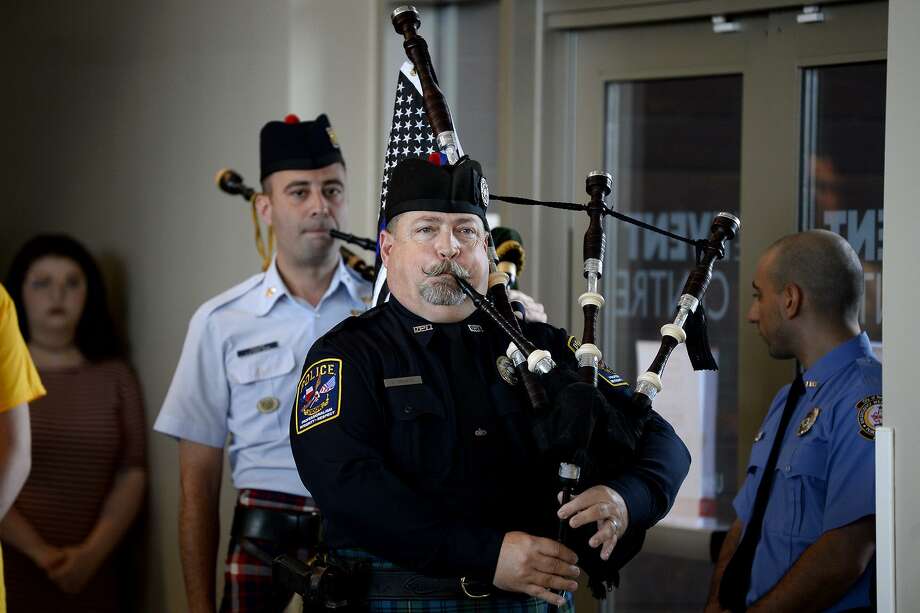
[(492, 604), (247, 579)]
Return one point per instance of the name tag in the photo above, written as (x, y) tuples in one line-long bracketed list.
[(402, 381), (257, 349)]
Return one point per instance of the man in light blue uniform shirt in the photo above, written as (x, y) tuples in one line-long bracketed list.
[(239, 369), (809, 544)]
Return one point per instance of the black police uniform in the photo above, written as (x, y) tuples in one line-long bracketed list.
[(420, 453)]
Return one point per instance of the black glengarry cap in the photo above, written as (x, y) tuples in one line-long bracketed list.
[(298, 145), (419, 185)]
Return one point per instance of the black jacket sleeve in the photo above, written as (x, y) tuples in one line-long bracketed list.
[(343, 462), (650, 484)]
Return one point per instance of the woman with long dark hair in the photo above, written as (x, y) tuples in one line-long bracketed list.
[(88, 444)]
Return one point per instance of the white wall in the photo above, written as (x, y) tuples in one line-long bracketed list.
[(115, 117), (902, 218)]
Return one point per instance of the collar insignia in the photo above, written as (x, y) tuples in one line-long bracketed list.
[(423, 328)]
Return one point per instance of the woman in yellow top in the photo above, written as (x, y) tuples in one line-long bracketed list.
[(19, 384)]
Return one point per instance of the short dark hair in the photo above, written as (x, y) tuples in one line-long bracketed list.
[(825, 266), (96, 337)]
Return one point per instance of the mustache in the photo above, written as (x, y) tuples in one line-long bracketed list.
[(447, 266)]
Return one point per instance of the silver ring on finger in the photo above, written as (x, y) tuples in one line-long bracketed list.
[(616, 526)]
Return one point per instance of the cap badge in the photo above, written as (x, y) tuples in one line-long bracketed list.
[(332, 137), (484, 191)]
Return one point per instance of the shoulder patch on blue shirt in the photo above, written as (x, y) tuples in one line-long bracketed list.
[(319, 394), (869, 415)]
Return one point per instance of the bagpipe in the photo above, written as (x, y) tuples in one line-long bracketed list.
[(231, 182), (605, 432)]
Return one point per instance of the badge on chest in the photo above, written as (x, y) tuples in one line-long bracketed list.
[(806, 424), (269, 404)]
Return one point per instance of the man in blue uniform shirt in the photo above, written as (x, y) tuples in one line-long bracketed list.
[(419, 448), (237, 373), (804, 539)]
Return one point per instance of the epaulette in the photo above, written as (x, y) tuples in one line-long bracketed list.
[(355, 323), (354, 274), (372, 312), (226, 297)]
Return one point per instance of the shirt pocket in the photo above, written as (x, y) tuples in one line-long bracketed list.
[(807, 485), (262, 388), (420, 435), (760, 452)]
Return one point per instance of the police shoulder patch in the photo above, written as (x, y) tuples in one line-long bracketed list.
[(604, 373), (573, 344), (319, 394), (869, 415)]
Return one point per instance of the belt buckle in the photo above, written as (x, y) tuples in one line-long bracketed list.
[(468, 593)]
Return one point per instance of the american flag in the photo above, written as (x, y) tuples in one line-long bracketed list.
[(328, 386), (410, 136)]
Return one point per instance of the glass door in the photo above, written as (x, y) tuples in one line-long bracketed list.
[(843, 162), (777, 121)]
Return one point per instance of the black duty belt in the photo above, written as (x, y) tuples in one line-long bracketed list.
[(277, 526), (407, 585)]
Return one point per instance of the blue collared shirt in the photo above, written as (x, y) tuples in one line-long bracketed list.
[(238, 372), (825, 474)]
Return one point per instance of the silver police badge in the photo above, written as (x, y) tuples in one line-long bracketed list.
[(506, 370), (484, 191)]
